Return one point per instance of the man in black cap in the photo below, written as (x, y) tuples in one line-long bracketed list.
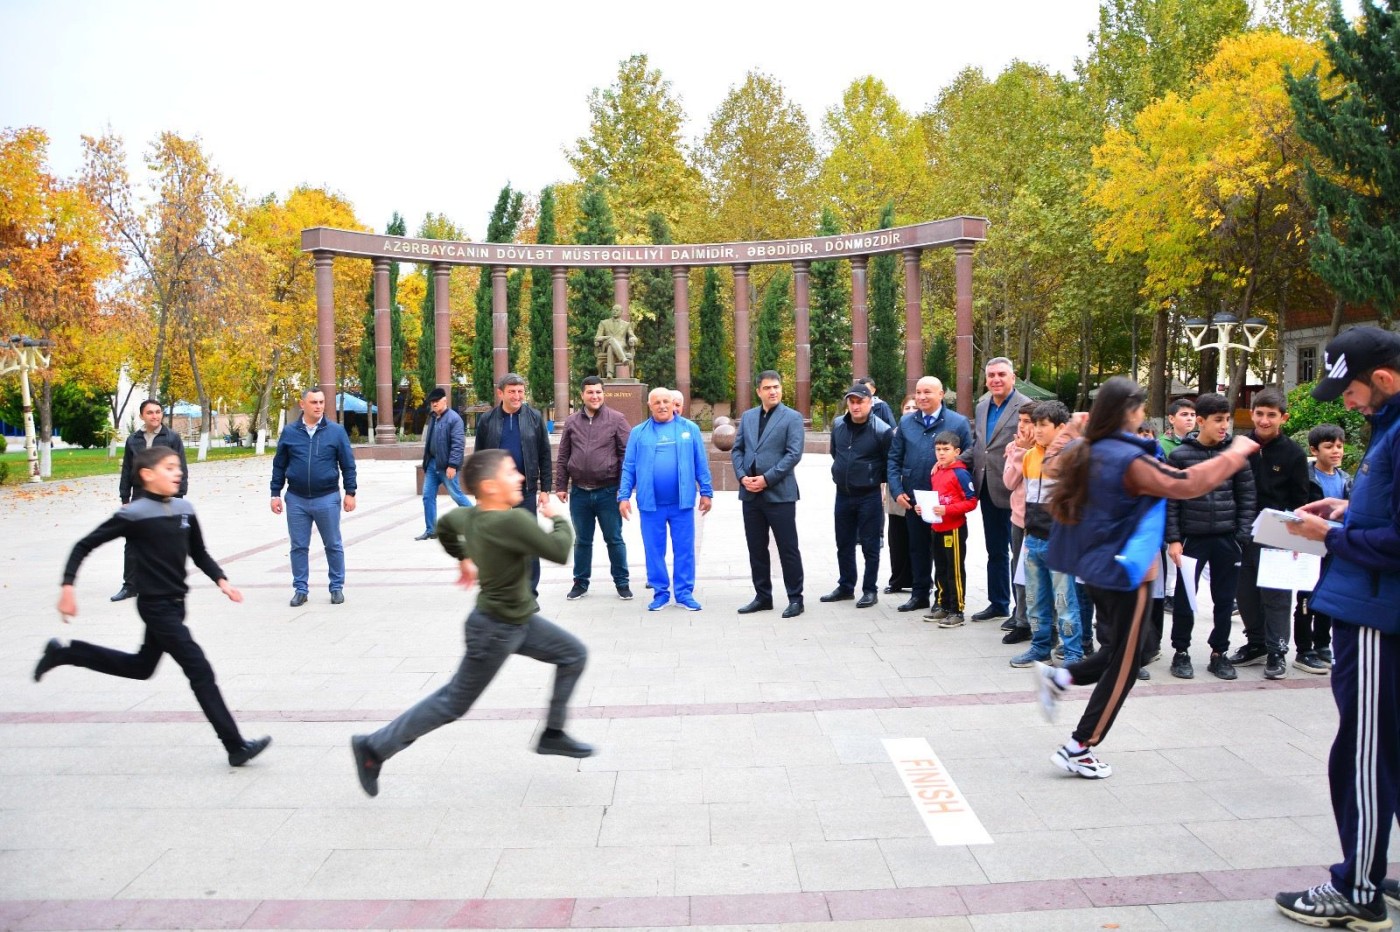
[(1360, 589), (860, 444), (444, 443)]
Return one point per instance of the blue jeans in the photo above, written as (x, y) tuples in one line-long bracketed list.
[(432, 478), (681, 522), (324, 512), (859, 518), (585, 507), (1051, 600)]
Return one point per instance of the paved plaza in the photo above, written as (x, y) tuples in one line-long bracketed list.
[(743, 778)]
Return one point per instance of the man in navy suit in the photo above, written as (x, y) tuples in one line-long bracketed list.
[(994, 432), (766, 451)]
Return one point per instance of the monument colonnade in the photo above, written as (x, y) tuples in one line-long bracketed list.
[(961, 234)]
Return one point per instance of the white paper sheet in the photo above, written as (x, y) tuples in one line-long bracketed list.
[(1271, 530), (1287, 569), (926, 499), (1186, 576), (1019, 576)]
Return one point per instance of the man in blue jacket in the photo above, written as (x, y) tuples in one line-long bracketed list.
[(910, 466), (313, 454), (444, 444), (1360, 589), (665, 465)]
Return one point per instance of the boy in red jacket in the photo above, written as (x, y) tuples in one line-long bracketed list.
[(951, 481)]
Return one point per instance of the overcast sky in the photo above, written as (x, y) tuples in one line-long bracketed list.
[(417, 107)]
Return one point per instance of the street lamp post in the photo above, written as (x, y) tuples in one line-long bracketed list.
[(22, 354), (1198, 327)]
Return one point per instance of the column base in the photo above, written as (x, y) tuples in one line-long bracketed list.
[(385, 433)]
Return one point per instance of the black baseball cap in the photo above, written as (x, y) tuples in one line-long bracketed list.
[(859, 390), (1351, 355)]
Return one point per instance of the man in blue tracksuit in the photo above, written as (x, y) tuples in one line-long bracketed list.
[(313, 455), (665, 465), (1360, 589)]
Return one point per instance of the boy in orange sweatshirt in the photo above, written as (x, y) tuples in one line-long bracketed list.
[(957, 496)]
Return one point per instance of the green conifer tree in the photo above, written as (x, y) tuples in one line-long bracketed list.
[(505, 217), (936, 361), (712, 378), (592, 288), (830, 330), (768, 335), (654, 315), (886, 332), (541, 373)]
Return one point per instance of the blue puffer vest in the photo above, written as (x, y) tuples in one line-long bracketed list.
[(1347, 590), (1089, 549)]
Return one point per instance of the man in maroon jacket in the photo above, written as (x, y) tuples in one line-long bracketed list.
[(586, 475)]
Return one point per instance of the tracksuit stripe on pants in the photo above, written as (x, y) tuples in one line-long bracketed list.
[(1121, 618)]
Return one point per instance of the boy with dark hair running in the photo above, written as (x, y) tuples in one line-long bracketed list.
[(161, 532), (499, 542)]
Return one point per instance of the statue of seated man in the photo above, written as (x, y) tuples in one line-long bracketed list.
[(614, 343)]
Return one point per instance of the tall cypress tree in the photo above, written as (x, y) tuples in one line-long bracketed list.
[(656, 323), (592, 288), (397, 343), (541, 374), (830, 328), (711, 377), (505, 217), (886, 333), (1356, 246), (768, 336)]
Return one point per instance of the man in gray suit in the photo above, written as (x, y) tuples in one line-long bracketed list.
[(995, 426), (766, 450)]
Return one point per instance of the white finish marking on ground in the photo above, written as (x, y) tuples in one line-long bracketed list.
[(944, 809)]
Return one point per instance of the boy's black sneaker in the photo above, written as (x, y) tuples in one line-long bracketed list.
[(1275, 668), (1249, 655), (366, 764), (1309, 662), (1181, 665), (51, 658), (563, 745), (1325, 655), (1324, 907), (1016, 635), (1220, 666), (250, 750)]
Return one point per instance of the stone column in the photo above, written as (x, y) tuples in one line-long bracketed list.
[(559, 280), (383, 358), (622, 295), (860, 324), (743, 375), (442, 328), (802, 333), (325, 328), (913, 321), (962, 253), (680, 285), (500, 333)]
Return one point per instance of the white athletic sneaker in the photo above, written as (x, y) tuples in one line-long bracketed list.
[(1047, 690), (1084, 764)]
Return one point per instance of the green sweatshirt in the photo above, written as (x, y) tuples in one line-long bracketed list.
[(502, 544)]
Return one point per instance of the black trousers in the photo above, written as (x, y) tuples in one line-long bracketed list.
[(858, 518), (920, 555), (1312, 630), (950, 568), (898, 537), (1112, 669), (1221, 552), (760, 517), (165, 634)]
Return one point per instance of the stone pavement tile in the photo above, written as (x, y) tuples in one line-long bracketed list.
[(1297, 759), (932, 924), (593, 872), (359, 827), (138, 791), (841, 865), (1167, 802), (1212, 762), (168, 828), (1265, 796), (760, 908), (1258, 843), (191, 914), (417, 914), (790, 691), (1025, 856), (747, 785), (1149, 849), (860, 749), (69, 914), (86, 872), (730, 689), (398, 874), (1133, 768), (660, 728), (504, 827), (194, 873), (717, 752), (853, 722), (834, 785), (172, 756), (731, 869), (890, 817), (766, 822), (1263, 883), (706, 728), (1004, 812), (641, 787), (920, 862), (317, 914), (571, 789), (631, 912), (785, 724), (1021, 897), (875, 905), (1227, 916), (1063, 801), (655, 824), (1132, 918), (618, 695), (1189, 887), (800, 751)]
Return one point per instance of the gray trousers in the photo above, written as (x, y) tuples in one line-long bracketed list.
[(1267, 613), (489, 644)]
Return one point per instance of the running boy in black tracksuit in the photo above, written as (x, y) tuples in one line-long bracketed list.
[(163, 532)]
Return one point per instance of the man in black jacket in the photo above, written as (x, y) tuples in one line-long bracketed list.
[(519, 429), (860, 445), (1281, 482), (152, 434), (1211, 529)]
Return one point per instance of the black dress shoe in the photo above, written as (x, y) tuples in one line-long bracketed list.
[(563, 745), (52, 658), (867, 599), (122, 594), (298, 599), (1016, 635), (838, 595), (337, 596), (366, 764), (426, 535), (989, 614), (757, 605), (793, 610), (913, 605), (250, 750)]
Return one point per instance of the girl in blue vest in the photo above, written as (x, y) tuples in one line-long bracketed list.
[(1109, 511)]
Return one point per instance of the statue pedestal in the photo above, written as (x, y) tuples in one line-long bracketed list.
[(629, 397)]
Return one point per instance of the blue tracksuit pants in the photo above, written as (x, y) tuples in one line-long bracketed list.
[(681, 522)]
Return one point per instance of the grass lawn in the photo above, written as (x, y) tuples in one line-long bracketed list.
[(72, 464)]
